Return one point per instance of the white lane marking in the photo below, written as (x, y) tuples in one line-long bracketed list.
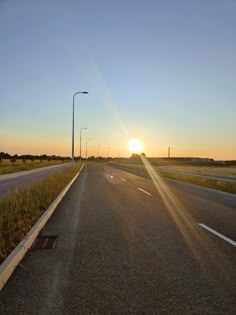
[(217, 234), (144, 191), (123, 179)]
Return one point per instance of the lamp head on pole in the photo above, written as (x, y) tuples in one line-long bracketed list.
[(83, 92)]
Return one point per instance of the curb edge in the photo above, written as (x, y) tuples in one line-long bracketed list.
[(15, 257)]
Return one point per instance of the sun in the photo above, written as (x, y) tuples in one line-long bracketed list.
[(135, 146)]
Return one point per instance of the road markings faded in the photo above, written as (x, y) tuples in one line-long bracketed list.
[(123, 179), (217, 234), (144, 191)]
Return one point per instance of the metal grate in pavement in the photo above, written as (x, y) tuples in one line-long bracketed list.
[(45, 242)]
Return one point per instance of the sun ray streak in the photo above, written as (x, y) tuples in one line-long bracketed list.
[(200, 244)]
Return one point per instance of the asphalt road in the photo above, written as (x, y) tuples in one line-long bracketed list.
[(13, 181), (124, 249)]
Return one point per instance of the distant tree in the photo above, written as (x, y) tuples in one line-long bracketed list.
[(5, 155), (135, 156)]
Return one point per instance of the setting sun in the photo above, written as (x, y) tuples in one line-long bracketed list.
[(135, 146)]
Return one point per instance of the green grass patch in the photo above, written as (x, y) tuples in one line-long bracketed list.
[(213, 170), (7, 167), (229, 187), (21, 209), (201, 181)]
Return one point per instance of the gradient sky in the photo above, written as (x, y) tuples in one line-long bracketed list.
[(162, 71)]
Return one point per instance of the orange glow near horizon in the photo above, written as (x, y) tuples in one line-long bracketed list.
[(34, 144)]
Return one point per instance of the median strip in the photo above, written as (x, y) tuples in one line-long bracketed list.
[(217, 234), (144, 191)]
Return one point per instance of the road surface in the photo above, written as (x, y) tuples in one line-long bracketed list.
[(13, 181), (123, 249)]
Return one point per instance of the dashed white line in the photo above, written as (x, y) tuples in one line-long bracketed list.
[(217, 234), (144, 191), (123, 179)]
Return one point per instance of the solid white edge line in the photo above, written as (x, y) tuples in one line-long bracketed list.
[(123, 179), (217, 234), (11, 262), (146, 192)]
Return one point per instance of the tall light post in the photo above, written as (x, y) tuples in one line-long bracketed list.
[(80, 142), (98, 150), (87, 148), (73, 123)]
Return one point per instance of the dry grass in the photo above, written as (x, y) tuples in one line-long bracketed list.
[(201, 181), (21, 209), (7, 166), (213, 170)]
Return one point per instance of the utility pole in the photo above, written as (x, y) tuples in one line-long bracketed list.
[(168, 152), (80, 142), (87, 149), (73, 126)]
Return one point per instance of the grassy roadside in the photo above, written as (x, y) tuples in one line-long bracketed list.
[(21, 209), (213, 170), (201, 181), (7, 167)]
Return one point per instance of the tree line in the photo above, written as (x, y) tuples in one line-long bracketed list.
[(45, 157), (42, 157)]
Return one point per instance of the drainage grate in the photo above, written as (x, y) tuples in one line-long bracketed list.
[(45, 242)]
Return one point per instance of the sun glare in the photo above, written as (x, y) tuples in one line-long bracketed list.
[(135, 146)]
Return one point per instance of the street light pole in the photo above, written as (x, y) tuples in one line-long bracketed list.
[(87, 148), (98, 150), (73, 123), (80, 143)]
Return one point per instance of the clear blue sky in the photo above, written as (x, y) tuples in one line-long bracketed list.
[(160, 71)]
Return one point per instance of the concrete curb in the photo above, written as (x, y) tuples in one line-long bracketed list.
[(12, 261)]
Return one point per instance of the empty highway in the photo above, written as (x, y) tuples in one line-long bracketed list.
[(126, 245)]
